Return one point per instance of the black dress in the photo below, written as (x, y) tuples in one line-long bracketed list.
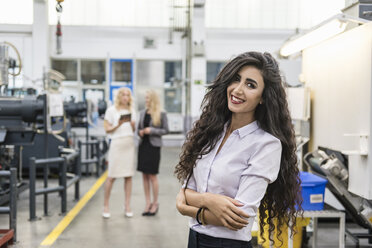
[(148, 155)]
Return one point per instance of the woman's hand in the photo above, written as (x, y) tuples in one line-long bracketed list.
[(120, 123), (141, 133), (133, 125), (226, 210), (147, 130), (182, 206), (181, 201), (111, 128), (220, 210)]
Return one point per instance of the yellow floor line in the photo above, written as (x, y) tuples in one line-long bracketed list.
[(52, 237)]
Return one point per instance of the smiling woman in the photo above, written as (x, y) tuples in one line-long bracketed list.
[(245, 93), (245, 137)]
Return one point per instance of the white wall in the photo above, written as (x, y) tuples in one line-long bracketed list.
[(125, 43)]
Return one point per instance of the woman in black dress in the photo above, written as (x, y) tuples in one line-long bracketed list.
[(152, 125)]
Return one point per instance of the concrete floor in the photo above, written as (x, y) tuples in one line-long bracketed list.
[(167, 229)]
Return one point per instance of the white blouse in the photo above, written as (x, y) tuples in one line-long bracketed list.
[(112, 115), (247, 162)]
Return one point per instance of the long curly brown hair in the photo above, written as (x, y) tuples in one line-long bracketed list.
[(272, 116)]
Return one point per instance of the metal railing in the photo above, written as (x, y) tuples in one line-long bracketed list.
[(73, 158), (67, 158), (12, 208), (47, 190), (91, 158)]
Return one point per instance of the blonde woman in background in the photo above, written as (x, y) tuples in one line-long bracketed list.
[(153, 123), (119, 125)]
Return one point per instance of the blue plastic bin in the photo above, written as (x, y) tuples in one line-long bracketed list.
[(313, 188)]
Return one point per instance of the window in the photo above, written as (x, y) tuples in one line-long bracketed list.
[(173, 71), (122, 71), (93, 71), (213, 68), (173, 100), (67, 67), (173, 86), (85, 79)]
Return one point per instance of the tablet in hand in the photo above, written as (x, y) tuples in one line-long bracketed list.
[(126, 117)]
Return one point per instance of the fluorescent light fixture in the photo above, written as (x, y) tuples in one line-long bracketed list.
[(325, 30)]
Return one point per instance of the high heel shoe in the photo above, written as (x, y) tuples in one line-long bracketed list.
[(155, 212), (106, 215), (146, 212), (128, 214)]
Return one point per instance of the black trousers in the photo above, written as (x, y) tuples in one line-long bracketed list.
[(198, 240)]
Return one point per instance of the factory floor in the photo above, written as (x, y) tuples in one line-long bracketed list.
[(167, 229)]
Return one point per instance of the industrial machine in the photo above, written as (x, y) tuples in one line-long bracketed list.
[(20, 120), (7, 63), (334, 166), (36, 125), (60, 134), (15, 116)]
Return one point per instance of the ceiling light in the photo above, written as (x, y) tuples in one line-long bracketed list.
[(325, 30)]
